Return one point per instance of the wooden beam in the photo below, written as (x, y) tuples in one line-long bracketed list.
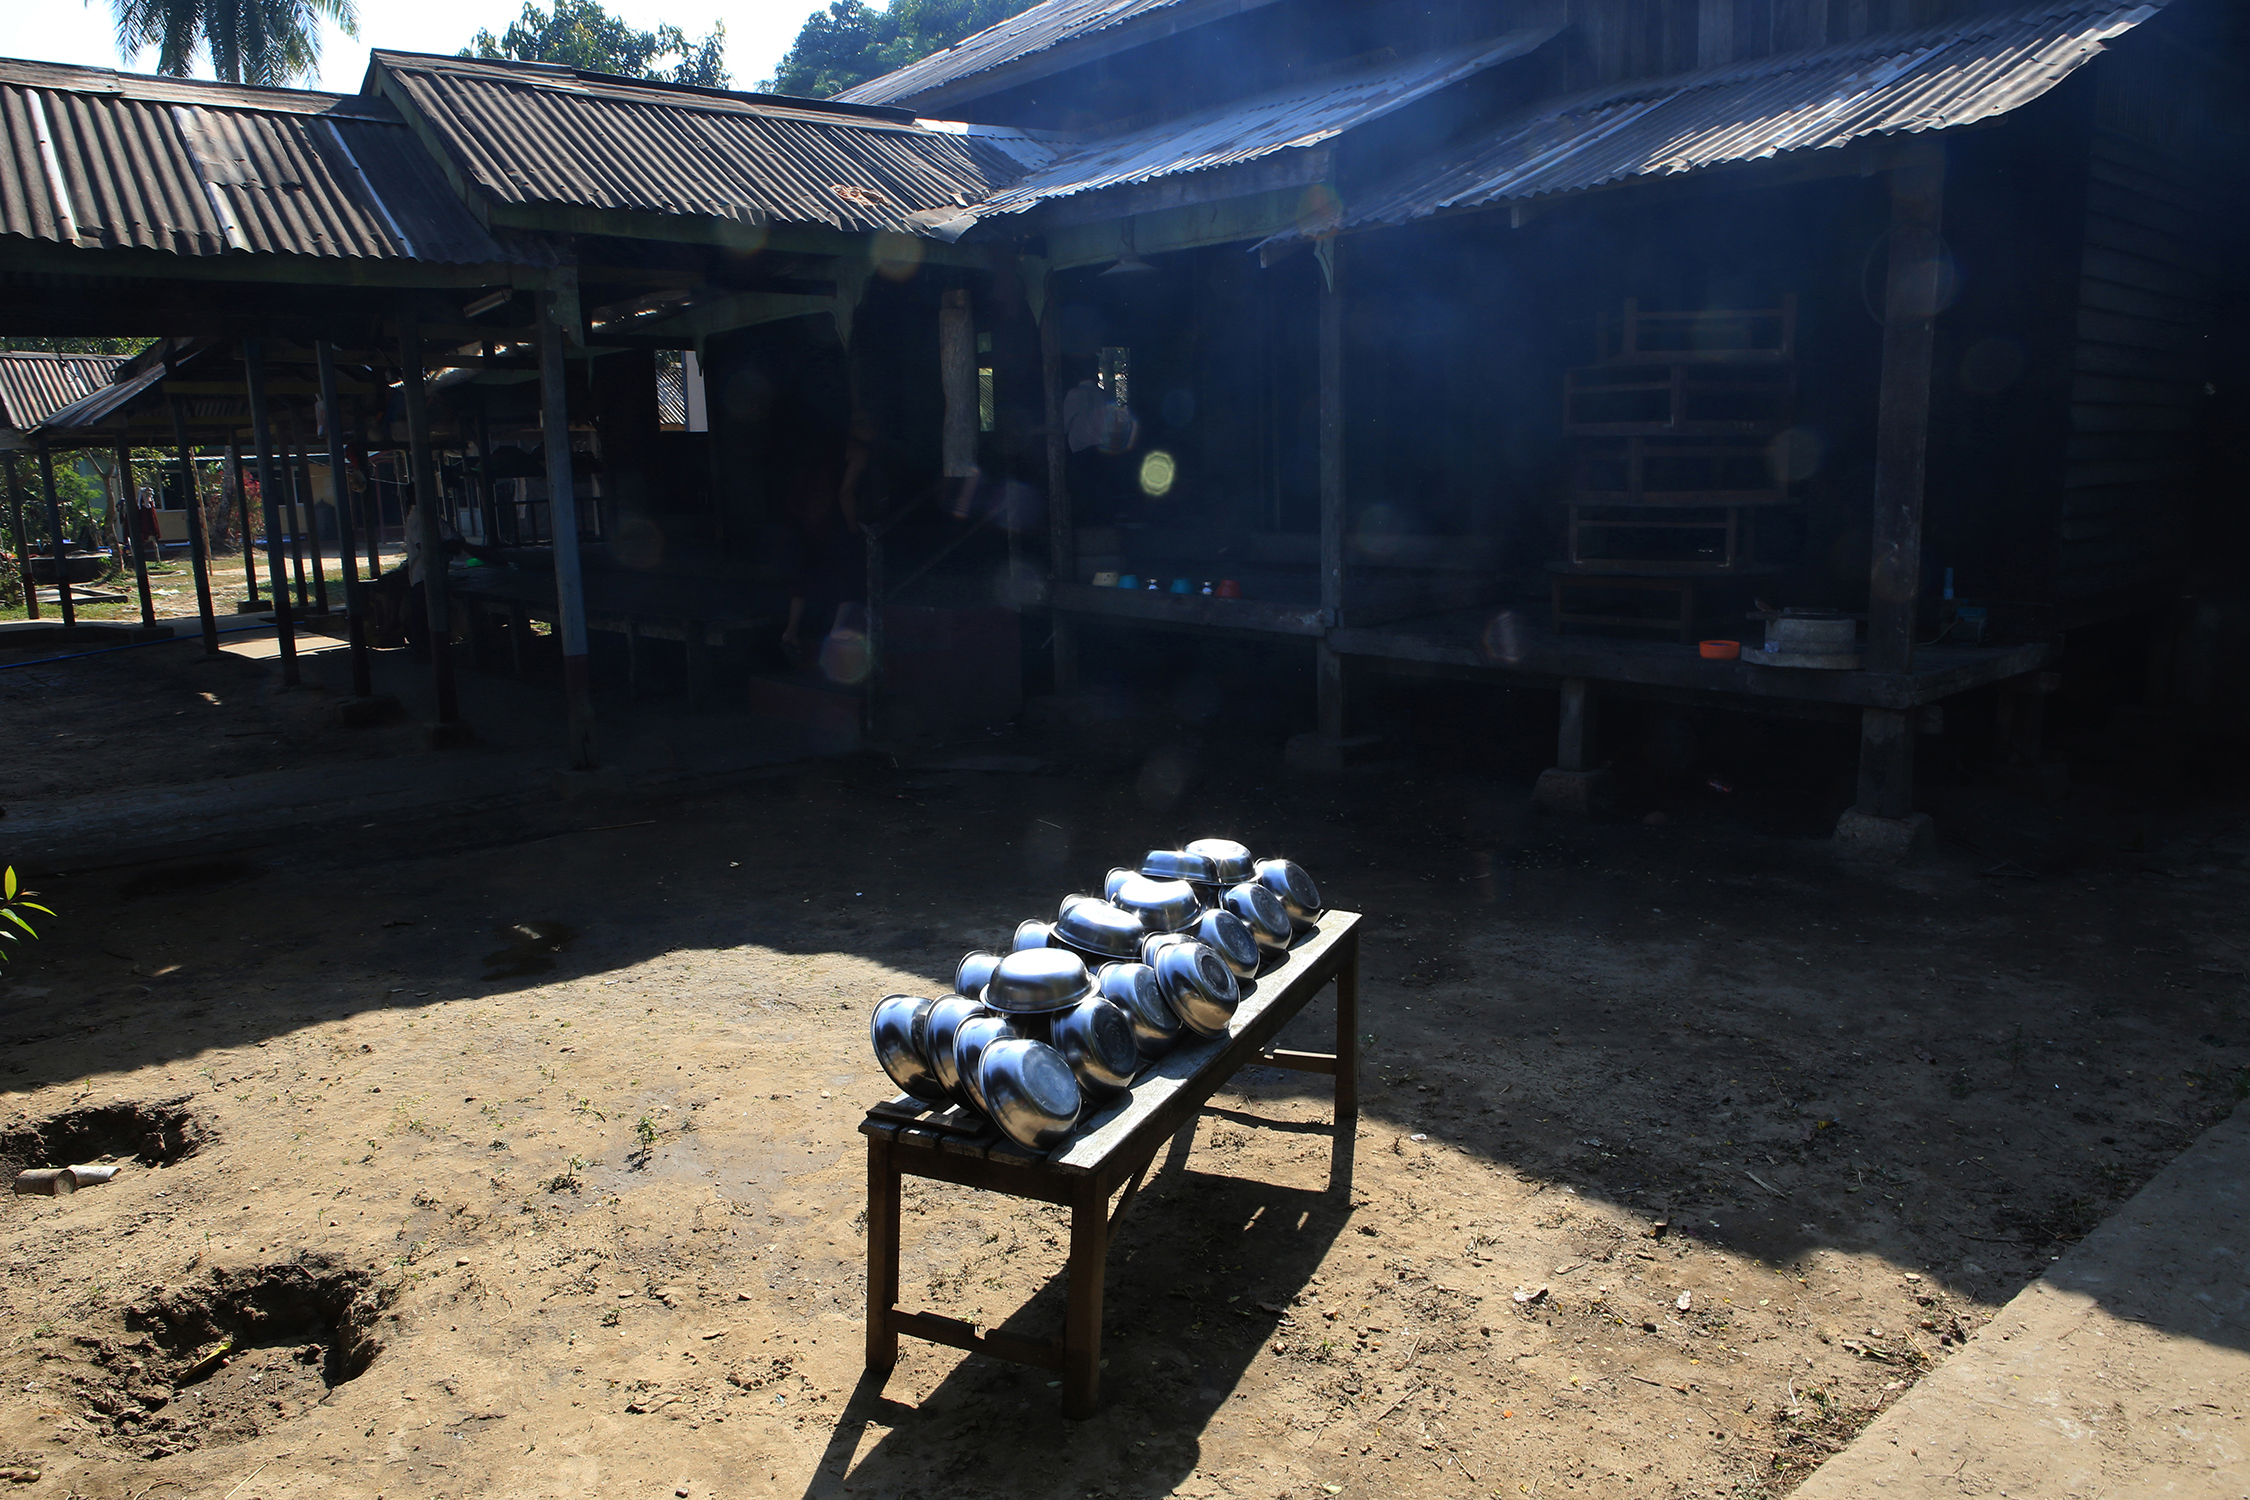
[(728, 234), (1185, 228), (263, 269), (1902, 418), (1293, 170)]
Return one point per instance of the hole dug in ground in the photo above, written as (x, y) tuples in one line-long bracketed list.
[(230, 1356), (150, 1134)]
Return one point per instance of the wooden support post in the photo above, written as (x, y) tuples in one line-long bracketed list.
[(199, 534), (55, 535), (1332, 497), (695, 658), (373, 516), (882, 1253), (1325, 749), (1886, 763), (310, 518), (429, 495), (562, 524), (1329, 667), (1902, 420), (1328, 691), (957, 377), (1062, 540), (1341, 1153), (242, 508), (340, 484), (1574, 740), (129, 510), (296, 499), (23, 540), (877, 595), (270, 492), (1082, 1313)]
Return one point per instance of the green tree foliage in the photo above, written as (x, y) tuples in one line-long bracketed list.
[(273, 43), (114, 348), (14, 902), (580, 34), (851, 41)]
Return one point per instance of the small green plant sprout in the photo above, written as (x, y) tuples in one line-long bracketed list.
[(646, 1130), (13, 904)]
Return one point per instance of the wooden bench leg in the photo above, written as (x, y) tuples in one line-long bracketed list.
[(882, 1255), (1340, 1156), (1082, 1320)]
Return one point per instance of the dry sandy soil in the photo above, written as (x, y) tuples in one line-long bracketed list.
[(520, 1157)]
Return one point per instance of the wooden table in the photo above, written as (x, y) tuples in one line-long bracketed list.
[(1113, 1149)]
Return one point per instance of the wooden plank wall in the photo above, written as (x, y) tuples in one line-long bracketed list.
[(2148, 293)]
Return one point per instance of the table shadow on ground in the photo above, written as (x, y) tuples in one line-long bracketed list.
[(1202, 1280)]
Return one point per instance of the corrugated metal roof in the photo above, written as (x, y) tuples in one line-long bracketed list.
[(98, 407), (1034, 30), (1285, 119), (34, 386), (98, 159), (532, 133), (1900, 83)]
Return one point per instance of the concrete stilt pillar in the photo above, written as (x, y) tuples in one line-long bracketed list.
[(1575, 784), (1883, 824)]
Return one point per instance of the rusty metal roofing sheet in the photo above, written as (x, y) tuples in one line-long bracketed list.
[(34, 386), (1054, 23), (534, 134), (105, 160), (1285, 119), (1960, 74)]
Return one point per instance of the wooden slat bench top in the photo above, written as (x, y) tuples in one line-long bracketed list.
[(1114, 1147), (1131, 1128)]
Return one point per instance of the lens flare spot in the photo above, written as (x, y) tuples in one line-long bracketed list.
[(1158, 471)]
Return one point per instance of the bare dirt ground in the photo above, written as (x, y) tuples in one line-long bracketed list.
[(520, 1158)]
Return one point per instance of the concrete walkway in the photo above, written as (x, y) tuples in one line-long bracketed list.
[(2123, 1372)]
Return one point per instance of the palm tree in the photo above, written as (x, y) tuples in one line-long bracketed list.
[(273, 43)]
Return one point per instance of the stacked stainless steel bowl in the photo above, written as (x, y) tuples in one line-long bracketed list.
[(1066, 1019)]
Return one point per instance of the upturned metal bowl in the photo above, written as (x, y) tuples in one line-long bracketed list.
[(1157, 942), (892, 1029), (969, 1041), (1230, 937), (1033, 981), (1115, 880), (1096, 1039), (974, 972), (1288, 881), (939, 1024), (1133, 989), (1162, 905), (1092, 926), (1180, 864), (1030, 1092), (1030, 933), (1262, 912), (1231, 861), (1199, 986)]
